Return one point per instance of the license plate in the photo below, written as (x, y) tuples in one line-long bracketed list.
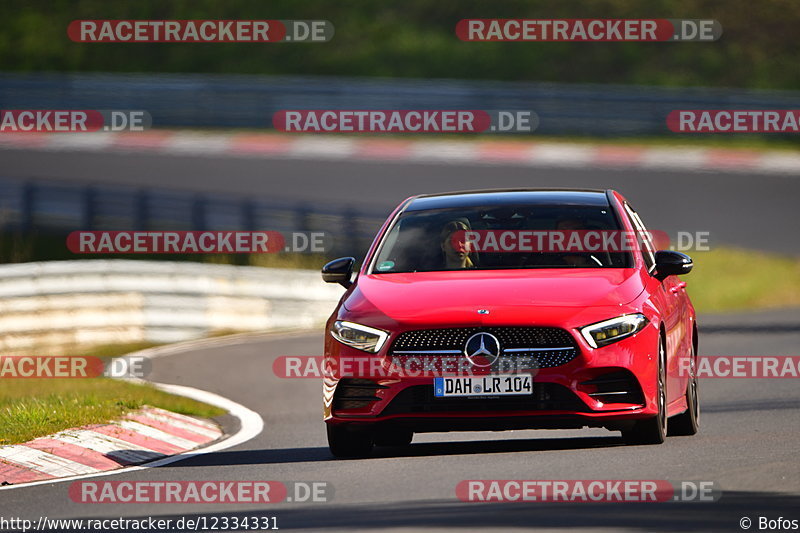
[(491, 385)]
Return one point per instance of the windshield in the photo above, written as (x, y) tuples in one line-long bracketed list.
[(504, 237)]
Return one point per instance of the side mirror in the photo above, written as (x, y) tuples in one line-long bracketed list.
[(339, 271), (670, 263)]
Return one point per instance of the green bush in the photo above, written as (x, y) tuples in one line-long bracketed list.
[(416, 38)]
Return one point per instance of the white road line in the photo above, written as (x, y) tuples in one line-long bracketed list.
[(549, 154), (196, 143), (79, 141), (444, 151), (780, 163), (674, 158), (567, 155), (318, 147), (44, 462)]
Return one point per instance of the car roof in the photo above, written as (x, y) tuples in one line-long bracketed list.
[(500, 197)]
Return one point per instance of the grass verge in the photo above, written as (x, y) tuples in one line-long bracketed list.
[(112, 350), (31, 408), (732, 279)]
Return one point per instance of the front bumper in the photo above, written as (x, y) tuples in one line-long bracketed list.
[(583, 392)]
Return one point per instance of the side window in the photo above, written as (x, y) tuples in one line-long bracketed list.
[(648, 250)]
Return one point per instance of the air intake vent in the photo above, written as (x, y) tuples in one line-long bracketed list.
[(615, 387), (355, 393)]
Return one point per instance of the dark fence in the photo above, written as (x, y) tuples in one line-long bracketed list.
[(193, 100), (55, 209)]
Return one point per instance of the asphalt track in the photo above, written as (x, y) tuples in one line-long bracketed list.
[(736, 208), (748, 445), (749, 440)]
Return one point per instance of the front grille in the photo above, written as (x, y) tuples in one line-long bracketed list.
[(355, 393), (545, 397), (615, 387), (544, 347)]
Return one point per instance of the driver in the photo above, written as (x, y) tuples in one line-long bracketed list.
[(455, 248), (575, 260)]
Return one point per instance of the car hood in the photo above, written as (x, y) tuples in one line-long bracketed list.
[(418, 295)]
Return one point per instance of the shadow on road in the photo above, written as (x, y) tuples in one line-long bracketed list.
[(424, 449), (723, 515)]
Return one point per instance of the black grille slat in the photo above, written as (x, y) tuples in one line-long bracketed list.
[(509, 337), (563, 348), (359, 398)]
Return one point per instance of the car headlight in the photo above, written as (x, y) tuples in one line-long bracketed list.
[(359, 337), (613, 330)]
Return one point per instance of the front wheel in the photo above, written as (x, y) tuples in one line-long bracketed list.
[(349, 443), (688, 422), (653, 430)]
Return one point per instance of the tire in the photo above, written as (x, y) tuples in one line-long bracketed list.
[(653, 430), (346, 443), (688, 422), (394, 438)]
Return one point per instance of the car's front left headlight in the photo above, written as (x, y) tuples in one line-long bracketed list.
[(613, 330), (358, 336)]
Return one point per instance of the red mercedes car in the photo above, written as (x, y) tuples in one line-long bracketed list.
[(467, 322)]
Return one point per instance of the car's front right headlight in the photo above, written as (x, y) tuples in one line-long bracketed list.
[(359, 336), (613, 330)]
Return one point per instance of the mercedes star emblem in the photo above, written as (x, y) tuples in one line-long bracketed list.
[(482, 349)]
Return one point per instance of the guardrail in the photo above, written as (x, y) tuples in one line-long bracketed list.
[(60, 304), (52, 208), (237, 101)]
